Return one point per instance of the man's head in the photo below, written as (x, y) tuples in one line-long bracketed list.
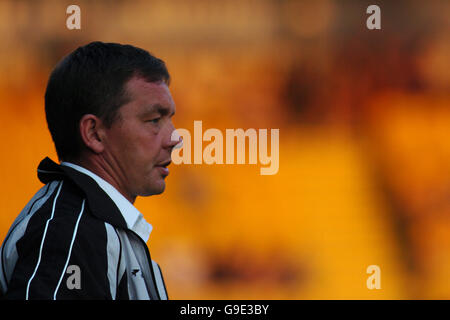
[(109, 105)]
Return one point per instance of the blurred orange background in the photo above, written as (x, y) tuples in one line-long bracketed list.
[(364, 119)]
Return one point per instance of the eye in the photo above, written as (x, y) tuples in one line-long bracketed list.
[(155, 121)]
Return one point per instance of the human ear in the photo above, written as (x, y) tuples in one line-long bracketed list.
[(90, 127)]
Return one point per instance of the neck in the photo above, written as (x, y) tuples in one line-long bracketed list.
[(101, 167)]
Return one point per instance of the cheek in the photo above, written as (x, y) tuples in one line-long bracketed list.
[(125, 147), (148, 147), (138, 145)]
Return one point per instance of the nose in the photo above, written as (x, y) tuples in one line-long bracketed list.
[(176, 141)]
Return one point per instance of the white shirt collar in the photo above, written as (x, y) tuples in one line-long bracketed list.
[(134, 219)]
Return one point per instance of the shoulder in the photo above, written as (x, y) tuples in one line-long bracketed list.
[(65, 215)]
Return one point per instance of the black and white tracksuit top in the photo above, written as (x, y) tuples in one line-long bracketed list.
[(72, 242)]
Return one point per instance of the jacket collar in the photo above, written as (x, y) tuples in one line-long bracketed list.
[(134, 219), (99, 202)]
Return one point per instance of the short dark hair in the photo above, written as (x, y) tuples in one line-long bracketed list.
[(91, 80)]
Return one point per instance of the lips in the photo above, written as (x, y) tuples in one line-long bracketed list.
[(163, 167), (164, 164)]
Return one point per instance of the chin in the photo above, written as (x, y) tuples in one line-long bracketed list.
[(154, 189)]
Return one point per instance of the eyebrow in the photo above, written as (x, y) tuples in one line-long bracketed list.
[(157, 108)]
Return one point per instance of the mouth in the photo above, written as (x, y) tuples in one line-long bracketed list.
[(162, 167), (164, 164)]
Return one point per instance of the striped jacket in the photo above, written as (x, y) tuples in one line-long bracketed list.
[(72, 242)]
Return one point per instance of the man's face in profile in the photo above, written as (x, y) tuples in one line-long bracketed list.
[(139, 141)]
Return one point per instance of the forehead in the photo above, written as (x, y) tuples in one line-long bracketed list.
[(143, 95)]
